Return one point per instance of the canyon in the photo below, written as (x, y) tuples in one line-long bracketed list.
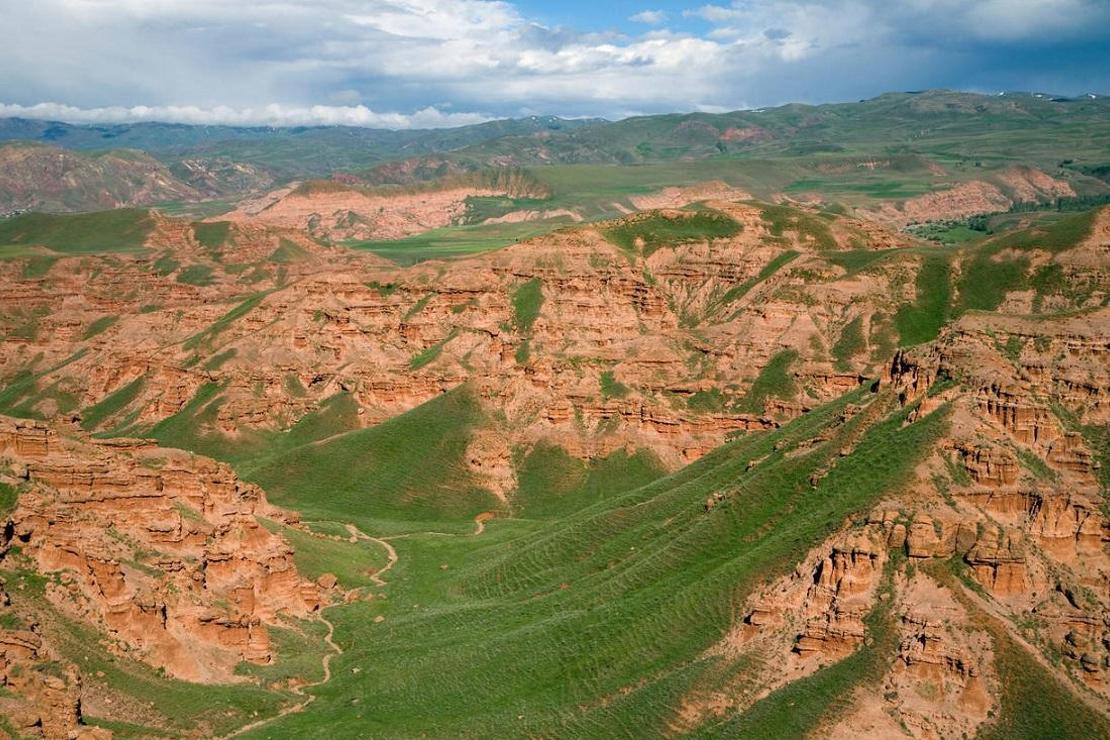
[(727, 464)]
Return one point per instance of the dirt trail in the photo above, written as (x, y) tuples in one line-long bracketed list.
[(480, 522), (479, 527), (300, 690), (390, 552), (329, 639), (391, 555)]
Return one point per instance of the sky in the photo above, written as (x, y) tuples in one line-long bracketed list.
[(433, 63)]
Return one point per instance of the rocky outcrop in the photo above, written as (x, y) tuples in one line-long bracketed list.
[(336, 211), (1029, 184), (46, 178), (998, 563), (817, 612), (677, 197), (160, 548), (42, 696), (839, 599), (960, 201)]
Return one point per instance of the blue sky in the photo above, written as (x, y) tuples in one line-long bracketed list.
[(615, 15), (404, 63)]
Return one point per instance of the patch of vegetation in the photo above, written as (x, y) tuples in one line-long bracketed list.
[(551, 483), (984, 282), (457, 241), (706, 401), (288, 251), (120, 230), (298, 650), (737, 292), (9, 497), (527, 300), (418, 306), (952, 233), (384, 289), (1034, 464), (183, 429), (352, 563), (482, 207), (165, 265), (225, 321), (99, 326), (922, 320), (1058, 236), (412, 466), (428, 355), (611, 387), (120, 728), (644, 234), (29, 318), (807, 227), (215, 362), (37, 266), (212, 235), (112, 404), (773, 381), (1049, 280), (620, 598), (199, 275), (856, 260), (20, 392), (850, 344), (523, 352), (293, 386)]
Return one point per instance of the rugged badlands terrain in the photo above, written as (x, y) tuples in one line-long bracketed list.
[(726, 467)]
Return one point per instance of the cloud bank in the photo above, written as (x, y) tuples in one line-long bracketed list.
[(268, 115), (405, 63)]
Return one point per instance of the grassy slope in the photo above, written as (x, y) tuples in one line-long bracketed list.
[(551, 483), (121, 230), (646, 234), (351, 563), (592, 624), (410, 467), (456, 241)]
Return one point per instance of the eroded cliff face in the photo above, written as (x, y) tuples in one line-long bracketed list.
[(568, 338), (578, 340), (42, 695), (1017, 184), (344, 208), (160, 549), (998, 542), (1024, 508), (623, 351)]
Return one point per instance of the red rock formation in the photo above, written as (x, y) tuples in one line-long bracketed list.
[(160, 547)]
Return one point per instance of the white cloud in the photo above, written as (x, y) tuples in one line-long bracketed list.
[(269, 115), (998, 20), (649, 17), (359, 61)]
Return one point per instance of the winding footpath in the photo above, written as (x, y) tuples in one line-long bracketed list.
[(390, 552), (391, 560), (300, 690)]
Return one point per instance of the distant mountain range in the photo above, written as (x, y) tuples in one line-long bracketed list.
[(197, 162)]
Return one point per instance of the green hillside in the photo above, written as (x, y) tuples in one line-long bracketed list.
[(549, 624), (121, 230)]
